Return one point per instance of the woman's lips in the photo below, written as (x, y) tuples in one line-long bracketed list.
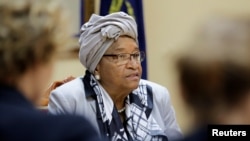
[(134, 76)]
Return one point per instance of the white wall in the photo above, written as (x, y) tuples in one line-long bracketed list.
[(169, 24)]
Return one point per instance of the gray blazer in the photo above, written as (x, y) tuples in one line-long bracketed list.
[(70, 99)]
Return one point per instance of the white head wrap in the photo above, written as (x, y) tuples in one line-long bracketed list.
[(99, 33)]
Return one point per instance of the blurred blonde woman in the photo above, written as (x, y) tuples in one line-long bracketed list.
[(30, 33)]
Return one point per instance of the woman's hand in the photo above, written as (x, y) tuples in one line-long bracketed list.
[(45, 97)]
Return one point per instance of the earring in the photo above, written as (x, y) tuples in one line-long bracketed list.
[(97, 77)]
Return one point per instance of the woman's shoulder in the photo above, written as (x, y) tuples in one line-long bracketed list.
[(153, 85), (70, 90), (157, 89), (71, 85), (72, 127)]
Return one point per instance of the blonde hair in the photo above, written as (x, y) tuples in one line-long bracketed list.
[(30, 32)]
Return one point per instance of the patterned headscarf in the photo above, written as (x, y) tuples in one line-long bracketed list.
[(99, 33)]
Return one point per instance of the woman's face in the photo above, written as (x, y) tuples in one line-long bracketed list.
[(116, 75)]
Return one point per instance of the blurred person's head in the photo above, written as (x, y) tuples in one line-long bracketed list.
[(214, 73), (30, 33), (225, 30)]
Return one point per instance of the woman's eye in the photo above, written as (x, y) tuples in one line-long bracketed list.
[(136, 55), (122, 55), (115, 57)]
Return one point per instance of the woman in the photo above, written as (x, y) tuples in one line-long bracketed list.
[(112, 94), (30, 33)]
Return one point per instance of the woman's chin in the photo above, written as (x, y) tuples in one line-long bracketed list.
[(133, 85)]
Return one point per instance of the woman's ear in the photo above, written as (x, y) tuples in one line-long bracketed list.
[(96, 73), (97, 68)]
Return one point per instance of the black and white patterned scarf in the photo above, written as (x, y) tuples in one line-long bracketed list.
[(139, 124)]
